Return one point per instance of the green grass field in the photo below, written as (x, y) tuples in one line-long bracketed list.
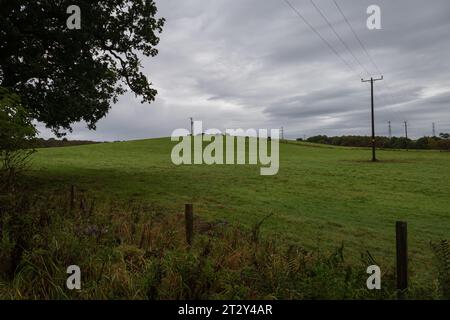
[(321, 197)]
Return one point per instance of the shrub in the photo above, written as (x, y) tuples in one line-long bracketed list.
[(16, 135), (442, 254)]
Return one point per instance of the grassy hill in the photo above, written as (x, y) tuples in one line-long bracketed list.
[(321, 197)]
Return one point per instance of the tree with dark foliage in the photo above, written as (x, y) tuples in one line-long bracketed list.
[(384, 142), (64, 76)]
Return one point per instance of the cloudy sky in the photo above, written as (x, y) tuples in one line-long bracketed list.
[(257, 64)]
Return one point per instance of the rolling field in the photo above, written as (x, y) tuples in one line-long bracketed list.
[(321, 197)]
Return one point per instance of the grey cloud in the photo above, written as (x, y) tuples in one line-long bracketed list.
[(255, 64)]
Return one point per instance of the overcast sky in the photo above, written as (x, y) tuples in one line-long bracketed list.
[(256, 64)]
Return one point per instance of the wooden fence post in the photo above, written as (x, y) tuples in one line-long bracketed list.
[(189, 217), (401, 230)]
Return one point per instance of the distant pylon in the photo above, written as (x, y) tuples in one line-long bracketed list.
[(390, 129), (434, 129), (406, 129)]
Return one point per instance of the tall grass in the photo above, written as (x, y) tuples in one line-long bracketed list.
[(135, 251)]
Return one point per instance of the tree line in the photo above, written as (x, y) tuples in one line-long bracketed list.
[(54, 143), (430, 143)]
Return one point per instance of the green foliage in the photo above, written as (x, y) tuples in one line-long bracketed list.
[(135, 251), (54, 143), (65, 76), (442, 254), (384, 142), (16, 135)]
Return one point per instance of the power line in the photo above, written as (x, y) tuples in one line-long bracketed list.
[(339, 37), (361, 43), (319, 35), (332, 48), (357, 37)]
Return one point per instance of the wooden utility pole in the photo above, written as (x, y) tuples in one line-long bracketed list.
[(372, 80)]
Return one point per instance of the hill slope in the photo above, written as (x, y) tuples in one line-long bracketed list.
[(320, 197)]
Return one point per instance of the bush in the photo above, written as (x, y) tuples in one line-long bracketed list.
[(442, 254), (443, 144), (16, 135)]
